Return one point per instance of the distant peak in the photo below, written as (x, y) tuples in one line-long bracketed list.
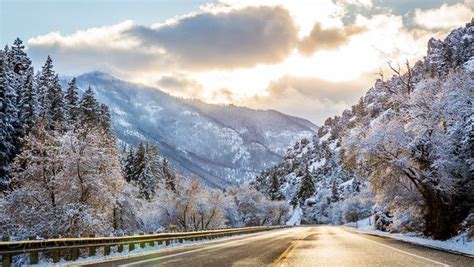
[(99, 74)]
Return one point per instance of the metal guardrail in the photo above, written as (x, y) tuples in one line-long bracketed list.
[(70, 248)]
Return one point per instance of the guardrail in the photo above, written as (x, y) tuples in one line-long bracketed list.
[(70, 248)]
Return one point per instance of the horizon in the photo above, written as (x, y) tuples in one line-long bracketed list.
[(306, 59)]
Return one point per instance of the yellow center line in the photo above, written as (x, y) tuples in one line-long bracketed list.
[(279, 261)]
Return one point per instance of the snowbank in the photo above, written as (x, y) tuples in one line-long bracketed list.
[(459, 243), (295, 218)]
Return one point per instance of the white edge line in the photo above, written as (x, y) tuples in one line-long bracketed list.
[(403, 251)]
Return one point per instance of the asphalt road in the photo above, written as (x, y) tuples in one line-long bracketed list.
[(299, 246)]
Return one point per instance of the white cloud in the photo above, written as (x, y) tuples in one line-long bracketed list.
[(444, 17), (237, 38)]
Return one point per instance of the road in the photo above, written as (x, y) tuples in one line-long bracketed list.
[(299, 246)]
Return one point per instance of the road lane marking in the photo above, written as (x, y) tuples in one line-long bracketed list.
[(284, 255), (403, 251), (287, 252), (200, 249)]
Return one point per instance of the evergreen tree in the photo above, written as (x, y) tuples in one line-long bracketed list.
[(335, 192), (28, 102), (45, 82), (56, 105), (274, 190), (19, 65), (104, 118), (19, 60), (170, 180), (306, 189), (150, 174), (89, 114), (7, 110), (71, 99), (129, 165)]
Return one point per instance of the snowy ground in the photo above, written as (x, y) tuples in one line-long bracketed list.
[(459, 243), (295, 218)]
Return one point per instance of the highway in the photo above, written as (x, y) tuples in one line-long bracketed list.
[(298, 246)]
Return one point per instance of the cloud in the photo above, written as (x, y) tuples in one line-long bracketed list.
[(310, 97), (444, 17), (238, 38), (180, 85), (361, 3), (327, 39), (199, 41), (105, 48)]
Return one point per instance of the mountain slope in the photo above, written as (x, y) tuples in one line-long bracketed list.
[(221, 144), (410, 138)]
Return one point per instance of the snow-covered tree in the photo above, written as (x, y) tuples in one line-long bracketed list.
[(71, 99), (7, 113)]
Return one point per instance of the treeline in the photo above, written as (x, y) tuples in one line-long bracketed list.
[(60, 167), (62, 174)]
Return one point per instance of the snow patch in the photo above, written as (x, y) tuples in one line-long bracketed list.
[(459, 243), (295, 218), (318, 164), (469, 65)]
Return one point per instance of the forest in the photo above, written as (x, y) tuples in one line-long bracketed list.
[(62, 172)]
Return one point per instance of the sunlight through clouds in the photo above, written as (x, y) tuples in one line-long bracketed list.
[(233, 51)]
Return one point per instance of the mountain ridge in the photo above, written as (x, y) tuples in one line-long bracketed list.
[(222, 144)]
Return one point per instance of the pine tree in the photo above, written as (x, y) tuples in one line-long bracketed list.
[(89, 107), (170, 180), (45, 82), (306, 189), (129, 167), (56, 105), (104, 118), (28, 103), (20, 62), (7, 111), (71, 99), (274, 190), (19, 66), (335, 192)]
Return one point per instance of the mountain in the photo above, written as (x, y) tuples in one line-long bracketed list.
[(222, 144), (405, 151)]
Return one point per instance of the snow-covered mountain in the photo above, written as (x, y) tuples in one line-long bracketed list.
[(410, 138), (221, 144)]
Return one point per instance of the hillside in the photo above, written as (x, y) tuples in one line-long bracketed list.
[(404, 152), (223, 145)]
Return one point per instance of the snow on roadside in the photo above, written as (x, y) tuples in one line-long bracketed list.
[(459, 243), (295, 218)]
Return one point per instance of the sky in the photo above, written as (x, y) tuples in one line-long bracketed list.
[(311, 59)]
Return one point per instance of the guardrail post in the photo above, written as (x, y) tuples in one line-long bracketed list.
[(74, 254), (142, 244), (106, 250), (7, 260), (151, 243), (33, 254), (159, 242), (167, 242), (180, 240), (92, 250), (131, 246), (56, 255), (120, 248)]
